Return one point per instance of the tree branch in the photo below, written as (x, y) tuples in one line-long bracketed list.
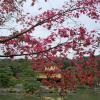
[(39, 23), (35, 53)]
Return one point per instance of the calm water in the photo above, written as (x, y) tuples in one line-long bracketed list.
[(80, 95)]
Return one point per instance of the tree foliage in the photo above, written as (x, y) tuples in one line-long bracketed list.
[(76, 38)]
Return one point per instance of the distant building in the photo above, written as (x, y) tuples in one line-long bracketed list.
[(46, 70)]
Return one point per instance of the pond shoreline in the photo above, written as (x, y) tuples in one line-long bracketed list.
[(11, 90), (81, 94), (21, 90)]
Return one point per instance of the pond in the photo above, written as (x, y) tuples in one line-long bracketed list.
[(83, 94)]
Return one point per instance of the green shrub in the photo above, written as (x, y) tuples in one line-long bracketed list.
[(4, 80), (12, 81), (31, 85)]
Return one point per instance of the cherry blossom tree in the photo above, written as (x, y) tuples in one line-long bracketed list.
[(61, 42)]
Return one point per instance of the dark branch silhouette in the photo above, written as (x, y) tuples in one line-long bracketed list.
[(39, 23), (35, 53)]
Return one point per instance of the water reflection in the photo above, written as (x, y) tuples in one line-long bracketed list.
[(52, 98)]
